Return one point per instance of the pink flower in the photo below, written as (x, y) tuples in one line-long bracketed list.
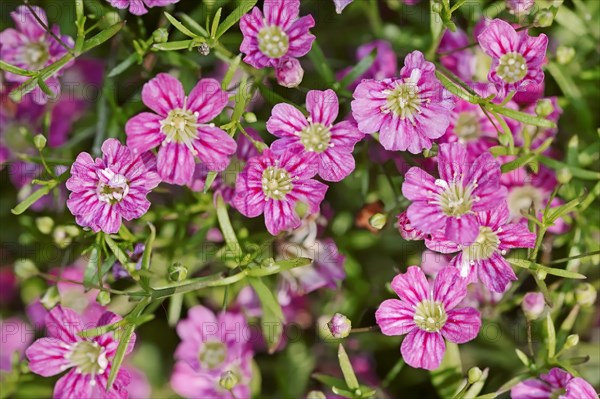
[(555, 384), (274, 184), (341, 4), (289, 73), (409, 111), (224, 183), (517, 58), (180, 126), (484, 256), (90, 359), (460, 59), (112, 187), (428, 314), (139, 7), (449, 203), (407, 231), (276, 35), (15, 336), (31, 47), (520, 7), (210, 347), (329, 145)]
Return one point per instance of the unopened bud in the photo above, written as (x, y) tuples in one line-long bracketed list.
[(229, 380), (103, 298), (564, 55), (533, 305), (544, 107), (585, 294), (572, 341), (289, 73), (25, 268), (474, 375), (436, 7), (378, 221), (250, 117), (177, 272), (44, 224), (161, 35), (339, 326), (316, 395), (544, 18), (51, 297), (541, 274), (39, 141), (564, 175)]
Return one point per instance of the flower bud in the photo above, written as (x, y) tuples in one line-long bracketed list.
[(378, 221), (44, 224), (520, 7), (25, 268), (177, 272), (572, 341), (543, 19), (585, 294), (250, 117), (204, 49), (533, 305), (161, 35), (406, 230), (51, 297), (436, 7), (474, 375), (564, 175), (564, 55), (39, 141), (339, 326), (316, 395), (103, 298), (544, 107), (289, 73), (228, 380)]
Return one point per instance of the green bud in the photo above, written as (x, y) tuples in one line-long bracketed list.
[(572, 341), (25, 269), (103, 298), (541, 275), (474, 375), (544, 18), (44, 224), (161, 35), (229, 380), (436, 7), (109, 19), (585, 294), (564, 175), (564, 55), (51, 297), (378, 220), (316, 395), (544, 107), (250, 117), (39, 141), (522, 357), (61, 238), (177, 272)]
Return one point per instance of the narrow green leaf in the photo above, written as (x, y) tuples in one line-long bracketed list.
[(575, 171), (97, 331), (225, 224), (179, 45), (124, 340), (449, 376), (91, 271), (276, 267), (347, 370), (15, 69), (32, 199), (179, 26), (562, 210), (116, 250), (551, 336), (193, 24), (527, 264), (320, 63), (272, 317), (517, 163), (235, 16), (103, 36), (520, 116), (210, 178), (231, 72), (216, 21), (457, 90), (122, 66), (144, 279), (358, 69)]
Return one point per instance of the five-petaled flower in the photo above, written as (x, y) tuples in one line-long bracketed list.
[(140, 7), (428, 314)]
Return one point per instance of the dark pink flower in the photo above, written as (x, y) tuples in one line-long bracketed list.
[(409, 111), (555, 384), (211, 346), (32, 47), (105, 190), (277, 34), (329, 145), (89, 359), (274, 184), (428, 314), (181, 126), (458, 58), (484, 257), (517, 58), (450, 203), (140, 7)]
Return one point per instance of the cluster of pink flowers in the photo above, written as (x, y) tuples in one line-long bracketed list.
[(140, 7)]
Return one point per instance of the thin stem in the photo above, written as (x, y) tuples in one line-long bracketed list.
[(66, 280), (529, 339), (364, 329)]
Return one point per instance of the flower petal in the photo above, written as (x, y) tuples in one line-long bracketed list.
[(449, 288), (163, 93), (462, 325), (214, 147), (207, 99), (323, 106), (175, 163), (48, 356), (286, 120), (421, 349), (143, 132), (411, 286), (395, 317)]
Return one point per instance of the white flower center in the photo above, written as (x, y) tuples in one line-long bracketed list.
[(522, 199), (315, 137), (35, 54), (181, 126), (404, 99), (430, 316), (467, 126), (115, 190), (212, 354), (273, 42), (456, 199), (88, 358), (512, 67), (276, 183)]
